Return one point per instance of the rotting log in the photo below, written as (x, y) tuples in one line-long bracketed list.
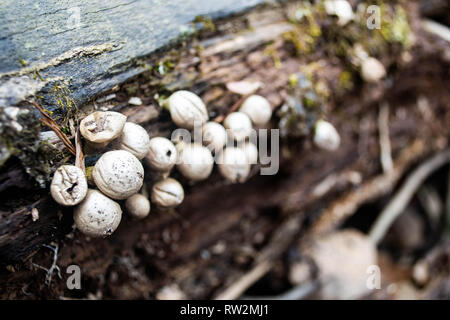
[(94, 45), (221, 230)]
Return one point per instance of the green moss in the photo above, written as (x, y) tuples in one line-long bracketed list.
[(306, 29), (37, 157), (204, 23), (132, 89), (395, 27), (22, 62), (272, 52), (65, 104), (345, 80), (303, 105)]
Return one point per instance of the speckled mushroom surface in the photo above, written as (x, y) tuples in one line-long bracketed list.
[(102, 127), (118, 174), (97, 215)]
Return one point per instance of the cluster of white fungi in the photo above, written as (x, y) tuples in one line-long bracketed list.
[(118, 174)]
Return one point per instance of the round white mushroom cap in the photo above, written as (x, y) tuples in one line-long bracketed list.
[(138, 206), (239, 125), (162, 154), (134, 139), (343, 259), (326, 136), (372, 70), (69, 185), (102, 127), (251, 152), (167, 193), (187, 109), (97, 215), (214, 136), (341, 8), (234, 165), (258, 109), (118, 174), (195, 162)]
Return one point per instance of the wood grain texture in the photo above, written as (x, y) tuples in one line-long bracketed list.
[(93, 45)]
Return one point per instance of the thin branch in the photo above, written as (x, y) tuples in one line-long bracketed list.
[(437, 29), (266, 259), (49, 122), (79, 156), (401, 199), (380, 185), (235, 106), (385, 142), (246, 281)]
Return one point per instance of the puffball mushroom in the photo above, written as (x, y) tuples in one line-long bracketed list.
[(214, 136), (97, 215), (187, 109), (239, 125), (100, 128), (372, 70), (258, 109), (118, 174), (138, 206), (251, 152), (342, 259), (326, 136), (234, 165), (69, 185), (167, 193), (134, 139), (195, 162), (162, 154), (340, 8)]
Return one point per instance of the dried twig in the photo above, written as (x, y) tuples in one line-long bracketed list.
[(265, 261), (79, 156), (380, 185), (49, 122), (235, 106), (385, 142), (401, 199), (437, 29), (246, 281)]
